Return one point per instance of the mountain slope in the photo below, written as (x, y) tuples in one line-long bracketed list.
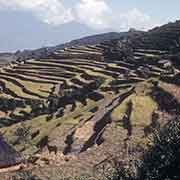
[(82, 105), (165, 37)]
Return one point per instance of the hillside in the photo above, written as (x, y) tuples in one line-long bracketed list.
[(83, 104), (165, 37), (89, 40), (6, 58)]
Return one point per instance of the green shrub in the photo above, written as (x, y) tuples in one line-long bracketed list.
[(163, 159), (25, 175), (161, 162)]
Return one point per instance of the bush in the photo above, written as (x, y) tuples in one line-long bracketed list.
[(161, 162), (163, 159), (24, 175)]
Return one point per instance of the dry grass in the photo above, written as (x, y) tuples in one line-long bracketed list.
[(142, 106)]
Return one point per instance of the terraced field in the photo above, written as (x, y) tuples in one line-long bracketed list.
[(87, 104)]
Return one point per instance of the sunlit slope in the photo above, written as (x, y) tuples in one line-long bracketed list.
[(87, 98)]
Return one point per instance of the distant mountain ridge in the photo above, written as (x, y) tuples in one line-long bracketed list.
[(88, 40), (95, 39), (166, 37)]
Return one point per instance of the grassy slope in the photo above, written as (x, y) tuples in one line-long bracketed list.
[(143, 104)]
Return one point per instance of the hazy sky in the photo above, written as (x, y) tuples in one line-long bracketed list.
[(30, 23)]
